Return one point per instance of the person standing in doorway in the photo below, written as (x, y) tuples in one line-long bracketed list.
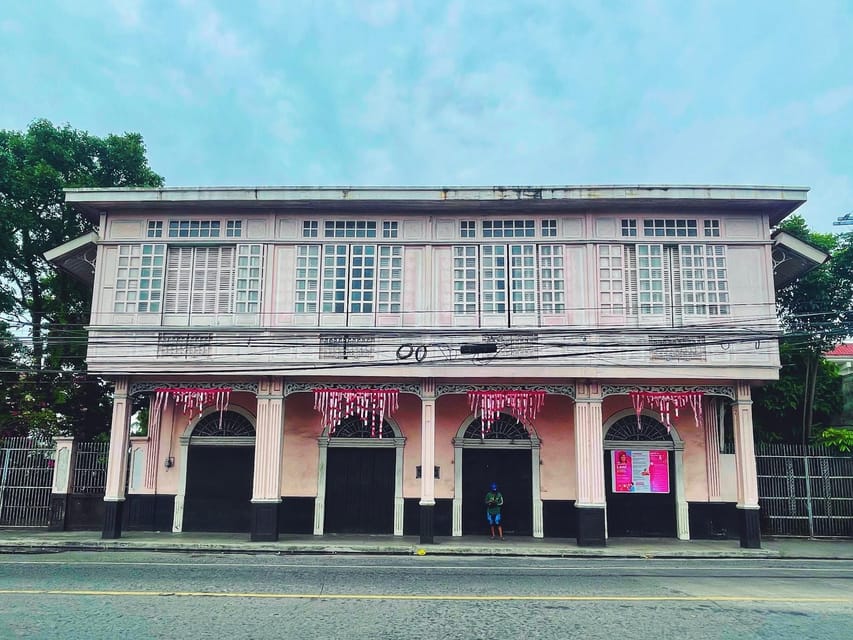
[(494, 502)]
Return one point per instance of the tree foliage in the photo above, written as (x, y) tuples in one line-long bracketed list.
[(815, 312), (47, 309)]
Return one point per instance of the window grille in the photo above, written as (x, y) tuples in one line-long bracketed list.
[(650, 279), (675, 228), (627, 429), (629, 228), (552, 279), (390, 280), (506, 427), (139, 278), (670, 348), (194, 228), (712, 228), (509, 229), (229, 424), (468, 229), (704, 280), (465, 279), (155, 229), (310, 228), (184, 345), (611, 279), (493, 279), (250, 266), (350, 229), (523, 278), (307, 287), (353, 427), (390, 229), (549, 228), (233, 228)]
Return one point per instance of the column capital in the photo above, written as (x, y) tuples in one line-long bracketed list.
[(270, 387), (428, 389), (122, 387), (588, 391), (743, 392)]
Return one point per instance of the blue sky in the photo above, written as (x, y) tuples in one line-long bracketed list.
[(413, 92)]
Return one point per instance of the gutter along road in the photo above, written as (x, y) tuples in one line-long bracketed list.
[(159, 595)]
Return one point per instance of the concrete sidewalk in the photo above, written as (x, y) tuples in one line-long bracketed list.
[(33, 541)]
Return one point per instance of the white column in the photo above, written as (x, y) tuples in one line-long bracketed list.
[(538, 522), (682, 515), (398, 490), (269, 440), (63, 466), (747, 475), (427, 443), (320, 502), (178, 516), (457, 487), (589, 447), (119, 440)]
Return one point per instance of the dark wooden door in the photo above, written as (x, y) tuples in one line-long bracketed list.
[(650, 515), (219, 489), (360, 490), (512, 472)]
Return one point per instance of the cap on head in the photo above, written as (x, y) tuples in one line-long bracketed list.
[(494, 486)]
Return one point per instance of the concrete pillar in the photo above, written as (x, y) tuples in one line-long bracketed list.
[(114, 492), (427, 503), (269, 440), (589, 460), (747, 474), (63, 475)]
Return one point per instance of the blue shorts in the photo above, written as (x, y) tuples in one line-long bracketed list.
[(493, 518)]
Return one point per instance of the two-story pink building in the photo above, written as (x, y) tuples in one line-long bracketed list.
[(611, 336)]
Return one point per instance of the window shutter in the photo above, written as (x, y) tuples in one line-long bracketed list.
[(631, 295), (178, 280), (675, 312), (225, 280)]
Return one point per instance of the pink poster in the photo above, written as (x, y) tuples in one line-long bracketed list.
[(622, 474), (640, 471)]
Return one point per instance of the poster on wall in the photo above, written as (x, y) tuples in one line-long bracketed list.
[(639, 471)]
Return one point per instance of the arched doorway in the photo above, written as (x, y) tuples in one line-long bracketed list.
[(360, 480), (509, 455), (643, 447), (219, 461)]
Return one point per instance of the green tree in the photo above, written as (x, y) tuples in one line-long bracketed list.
[(815, 311), (48, 308)]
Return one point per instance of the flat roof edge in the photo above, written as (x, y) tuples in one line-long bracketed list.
[(487, 193)]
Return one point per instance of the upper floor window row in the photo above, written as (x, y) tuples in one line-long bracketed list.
[(670, 228), (350, 229), (154, 278), (195, 229), (508, 228)]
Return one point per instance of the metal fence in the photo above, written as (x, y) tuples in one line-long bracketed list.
[(90, 468), (805, 491), (26, 478)]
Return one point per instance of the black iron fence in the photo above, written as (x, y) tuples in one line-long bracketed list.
[(805, 490)]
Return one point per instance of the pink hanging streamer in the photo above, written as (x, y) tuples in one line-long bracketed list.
[(190, 400), (524, 405), (370, 405), (667, 403)]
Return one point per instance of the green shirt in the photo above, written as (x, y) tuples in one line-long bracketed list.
[(494, 502)]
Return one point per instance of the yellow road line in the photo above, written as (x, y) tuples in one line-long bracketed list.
[(437, 597)]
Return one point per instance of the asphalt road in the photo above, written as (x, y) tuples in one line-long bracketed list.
[(155, 595)]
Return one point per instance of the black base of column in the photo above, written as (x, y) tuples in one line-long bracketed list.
[(112, 519), (264, 522), (750, 528), (58, 509), (427, 523), (590, 529)]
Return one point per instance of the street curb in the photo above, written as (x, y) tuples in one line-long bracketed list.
[(385, 550)]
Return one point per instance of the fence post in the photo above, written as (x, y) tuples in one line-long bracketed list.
[(63, 472), (7, 454), (806, 459)]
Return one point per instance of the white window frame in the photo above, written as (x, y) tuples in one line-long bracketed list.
[(140, 275), (611, 280), (704, 280)]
